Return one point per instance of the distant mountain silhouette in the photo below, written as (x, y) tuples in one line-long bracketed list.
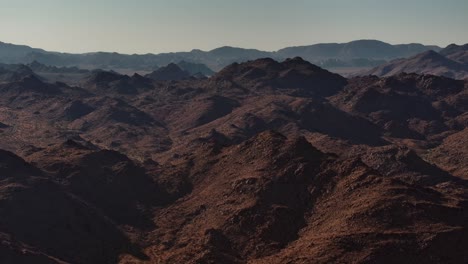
[(456, 53), (42, 68), (11, 53), (355, 53), (429, 62), (369, 49)]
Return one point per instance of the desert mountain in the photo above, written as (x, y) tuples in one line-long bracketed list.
[(105, 82), (180, 71), (429, 62), (456, 53), (365, 49), (170, 72), (266, 161), (195, 68), (41, 68), (14, 72), (86, 234), (11, 53), (70, 75)]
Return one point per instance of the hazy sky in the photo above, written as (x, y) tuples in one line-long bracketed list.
[(143, 26)]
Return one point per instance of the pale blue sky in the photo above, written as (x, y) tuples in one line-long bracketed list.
[(143, 26)]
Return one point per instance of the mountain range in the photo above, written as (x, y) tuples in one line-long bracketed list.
[(450, 62), (264, 161), (360, 53), (74, 75)]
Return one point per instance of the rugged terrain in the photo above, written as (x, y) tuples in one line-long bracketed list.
[(263, 162)]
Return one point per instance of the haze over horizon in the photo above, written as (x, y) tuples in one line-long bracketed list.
[(182, 25)]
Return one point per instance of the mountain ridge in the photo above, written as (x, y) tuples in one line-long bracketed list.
[(428, 62), (215, 59)]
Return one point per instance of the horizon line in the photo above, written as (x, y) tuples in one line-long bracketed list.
[(223, 46)]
